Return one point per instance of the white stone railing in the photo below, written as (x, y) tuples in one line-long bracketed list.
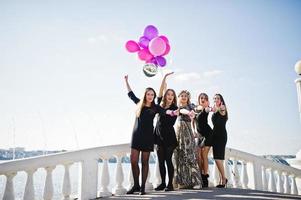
[(252, 174), (259, 173)]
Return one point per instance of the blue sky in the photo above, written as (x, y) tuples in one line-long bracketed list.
[(62, 65)]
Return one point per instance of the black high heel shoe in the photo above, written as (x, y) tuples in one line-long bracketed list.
[(223, 185), (205, 180), (160, 187), (169, 188), (142, 190), (135, 188)]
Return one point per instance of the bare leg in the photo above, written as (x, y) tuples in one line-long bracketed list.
[(199, 159), (220, 167), (205, 151)]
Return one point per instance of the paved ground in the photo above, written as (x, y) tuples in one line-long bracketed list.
[(210, 193)]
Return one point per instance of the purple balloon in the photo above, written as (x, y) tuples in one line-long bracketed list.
[(143, 42), (150, 32), (161, 61)]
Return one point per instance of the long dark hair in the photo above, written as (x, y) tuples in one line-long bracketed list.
[(142, 103), (164, 101), (202, 94), (223, 102)]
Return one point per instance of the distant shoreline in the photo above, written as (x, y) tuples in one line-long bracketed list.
[(7, 155)]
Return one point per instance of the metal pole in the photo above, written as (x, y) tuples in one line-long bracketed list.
[(298, 84)]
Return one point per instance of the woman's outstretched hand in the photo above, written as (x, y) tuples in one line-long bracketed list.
[(170, 73), (126, 77)]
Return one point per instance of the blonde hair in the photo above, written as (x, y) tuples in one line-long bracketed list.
[(188, 95), (142, 102)]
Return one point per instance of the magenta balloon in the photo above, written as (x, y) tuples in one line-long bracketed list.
[(167, 50), (132, 46), (143, 42), (150, 32), (161, 61), (153, 60), (157, 46), (164, 38), (145, 55)]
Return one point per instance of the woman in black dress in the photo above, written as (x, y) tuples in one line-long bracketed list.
[(165, 136), (204, 134), (142, 137), (219, 119)]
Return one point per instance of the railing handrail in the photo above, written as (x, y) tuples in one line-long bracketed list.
[(241, 155), (120, 150), (104, 152)]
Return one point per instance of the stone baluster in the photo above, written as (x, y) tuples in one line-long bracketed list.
[(148, 185), (264, 179), (66, 189), (119, 177), (130, 179), (244, 175), (157, 174), (294, 189), (87, 179), (272, 185), (48, 189), (279, 182), (227, 171), (130, 175), (286, 183), (104, 180), (235, 174), (9, 193), (215, 177), (29, 193)]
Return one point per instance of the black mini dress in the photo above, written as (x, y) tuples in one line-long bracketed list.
[(143, 131)]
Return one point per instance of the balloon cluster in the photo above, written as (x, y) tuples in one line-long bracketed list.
[(151, 48)]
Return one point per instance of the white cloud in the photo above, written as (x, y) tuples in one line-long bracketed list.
[(188, 76), (184, 76), (212, 73)]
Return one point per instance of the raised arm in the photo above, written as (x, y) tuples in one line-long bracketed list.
[(163, 84), (126, 77), (130, 92)]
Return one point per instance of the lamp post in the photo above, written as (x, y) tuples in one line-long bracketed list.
[(298, 84), (296, 162)]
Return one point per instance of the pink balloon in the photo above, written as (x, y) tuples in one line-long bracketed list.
[(150, 32), (145, 55), (157, 46), (132, 46), (164, 38), (167, 50), (143, 42)]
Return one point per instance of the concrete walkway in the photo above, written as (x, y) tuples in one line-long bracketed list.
[(210, 193)]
